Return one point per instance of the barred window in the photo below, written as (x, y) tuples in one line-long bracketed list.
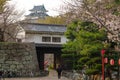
[(46, 39), (56, 39)]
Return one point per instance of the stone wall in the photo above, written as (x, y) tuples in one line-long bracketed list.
[(18, 59)]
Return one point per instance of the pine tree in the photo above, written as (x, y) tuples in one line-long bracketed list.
[(85, 43)]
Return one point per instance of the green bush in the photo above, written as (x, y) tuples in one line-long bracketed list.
[(92, 71)]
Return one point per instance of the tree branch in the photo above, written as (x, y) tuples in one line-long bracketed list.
[(85, 4)]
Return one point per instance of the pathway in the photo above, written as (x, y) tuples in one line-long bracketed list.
[(52, 76)]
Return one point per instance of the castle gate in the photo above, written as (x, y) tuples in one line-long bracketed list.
[(54, 49)]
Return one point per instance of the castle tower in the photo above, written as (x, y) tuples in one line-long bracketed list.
[(38, 12)]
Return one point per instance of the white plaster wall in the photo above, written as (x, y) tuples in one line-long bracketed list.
[(63, 39), (37, 38)]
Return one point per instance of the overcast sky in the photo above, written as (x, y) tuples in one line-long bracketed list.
[(50, 5)]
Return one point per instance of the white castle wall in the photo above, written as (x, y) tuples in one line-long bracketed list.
[(37, 38)]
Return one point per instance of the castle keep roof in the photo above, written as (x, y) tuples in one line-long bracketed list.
[(38, 12), (39, 8)]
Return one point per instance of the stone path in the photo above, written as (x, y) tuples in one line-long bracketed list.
[(52, 76)]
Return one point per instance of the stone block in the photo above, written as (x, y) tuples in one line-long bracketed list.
[(4, 47), (6, 66), (20, 66), (28, 57), (13, 51), (25, 62), (8, 62), (26, 53), (12, 67), (15, 62), (7, 51), (0, 65), (2, 51), (2, 61), (2, 56)]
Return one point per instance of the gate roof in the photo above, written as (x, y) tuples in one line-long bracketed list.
[(36, 27)]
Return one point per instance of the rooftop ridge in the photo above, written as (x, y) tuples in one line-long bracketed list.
[(45, 24)]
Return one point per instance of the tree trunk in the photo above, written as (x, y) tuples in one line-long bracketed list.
[(1, 36)]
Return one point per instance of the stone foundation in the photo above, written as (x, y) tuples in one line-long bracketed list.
[(18, 60)]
